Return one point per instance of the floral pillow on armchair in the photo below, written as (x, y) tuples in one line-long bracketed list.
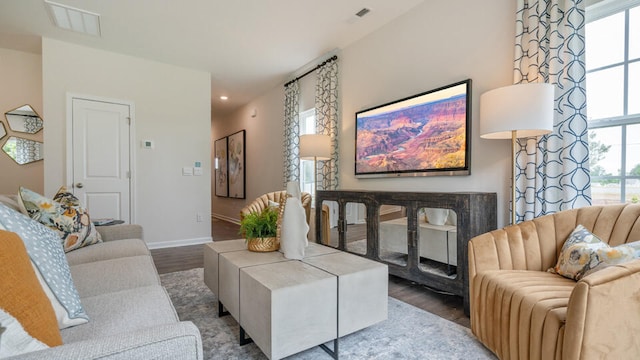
[(63, 214), (583, 253)]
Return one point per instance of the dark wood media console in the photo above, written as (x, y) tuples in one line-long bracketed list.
[(475, 211)]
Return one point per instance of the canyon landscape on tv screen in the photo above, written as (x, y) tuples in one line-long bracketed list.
[(423, 133)]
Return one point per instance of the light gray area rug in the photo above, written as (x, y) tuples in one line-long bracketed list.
[(409, 332)]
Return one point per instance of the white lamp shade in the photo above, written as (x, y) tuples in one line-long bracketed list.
[(315, 146), (526, 109)]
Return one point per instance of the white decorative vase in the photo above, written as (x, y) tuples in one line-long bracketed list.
[(294, 227), (436, 216)]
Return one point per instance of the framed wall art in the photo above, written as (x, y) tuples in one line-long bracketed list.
[(236, 164), (220, 165)]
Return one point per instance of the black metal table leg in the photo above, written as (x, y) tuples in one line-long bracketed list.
[(334, 353), (244, 340), (221, 311)]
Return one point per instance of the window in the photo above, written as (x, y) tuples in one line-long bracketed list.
[(613, 100), (307, 126)]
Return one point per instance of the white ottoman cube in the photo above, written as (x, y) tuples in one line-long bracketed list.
[(288, 307), (230, 264), (316, 249), (211, 252), (362, 288)]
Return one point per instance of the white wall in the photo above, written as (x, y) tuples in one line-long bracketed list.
[(172, 108), (437, 43)]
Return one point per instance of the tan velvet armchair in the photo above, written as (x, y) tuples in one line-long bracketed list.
[(262, 202), (521, 311)]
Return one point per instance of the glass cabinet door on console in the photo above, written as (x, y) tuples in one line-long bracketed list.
[(421, 236)]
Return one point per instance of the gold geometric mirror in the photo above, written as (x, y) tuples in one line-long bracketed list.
[(23, 151), (24, 119), (3, 132)]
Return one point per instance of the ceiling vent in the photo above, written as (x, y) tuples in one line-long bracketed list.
[(69, 18), (363, 12)]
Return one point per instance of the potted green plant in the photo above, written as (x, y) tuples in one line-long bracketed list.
[(260, 230)]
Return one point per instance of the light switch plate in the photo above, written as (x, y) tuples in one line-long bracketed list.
[(187, 171), (197, 171)]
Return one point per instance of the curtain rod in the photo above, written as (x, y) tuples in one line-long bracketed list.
[(333, 58)]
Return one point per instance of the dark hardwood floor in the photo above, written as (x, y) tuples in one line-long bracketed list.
[(188, 257)]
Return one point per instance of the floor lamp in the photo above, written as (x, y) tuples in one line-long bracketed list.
[(516, 111), (315, 147)]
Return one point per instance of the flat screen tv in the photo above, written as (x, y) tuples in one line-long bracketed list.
[(427, 134)]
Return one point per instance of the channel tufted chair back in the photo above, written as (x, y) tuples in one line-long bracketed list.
[(262, 202), (521, 311)]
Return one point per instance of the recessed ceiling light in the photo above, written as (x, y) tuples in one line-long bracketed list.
[(69, 18), (224, 97)]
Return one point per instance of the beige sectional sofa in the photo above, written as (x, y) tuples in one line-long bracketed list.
[(131, 315), (519, 310)]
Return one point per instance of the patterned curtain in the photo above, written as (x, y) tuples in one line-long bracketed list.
[(291, 133), (327, 121), (553, 173)]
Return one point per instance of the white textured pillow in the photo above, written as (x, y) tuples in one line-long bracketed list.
[(13, 339), (47, 256)]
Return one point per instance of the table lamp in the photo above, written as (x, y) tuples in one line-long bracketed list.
[(516, 111)]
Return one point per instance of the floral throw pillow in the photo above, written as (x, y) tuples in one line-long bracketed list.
[(63, 214), (584, 253)]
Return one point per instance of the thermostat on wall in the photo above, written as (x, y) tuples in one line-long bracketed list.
[(147, 144)]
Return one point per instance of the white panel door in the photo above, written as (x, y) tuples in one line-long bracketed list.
[(101, 173)]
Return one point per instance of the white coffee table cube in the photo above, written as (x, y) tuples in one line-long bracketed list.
[(288, 307), (230, 264), (317, 249), (211, 252), (362, 289)]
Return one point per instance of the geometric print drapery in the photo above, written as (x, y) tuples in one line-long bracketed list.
[(291, 133), (327, 121), (552, 172)]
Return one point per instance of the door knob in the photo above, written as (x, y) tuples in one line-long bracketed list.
[(79, 185)]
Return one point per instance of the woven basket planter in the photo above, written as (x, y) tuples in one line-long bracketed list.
[(263, 244)]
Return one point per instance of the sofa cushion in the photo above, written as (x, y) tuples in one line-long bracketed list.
[(45, 252), (22, 296), (521, 311), (123, 311), (113, 275), (62, 214), (119, 232), (108, 250), (584, 253)]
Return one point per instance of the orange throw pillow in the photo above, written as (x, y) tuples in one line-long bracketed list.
[(22, 294)]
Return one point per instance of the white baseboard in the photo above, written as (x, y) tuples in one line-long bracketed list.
[(226, 218), (177, 243)]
